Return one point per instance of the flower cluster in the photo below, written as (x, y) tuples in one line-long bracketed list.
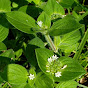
[(54, 66), (53, 58)]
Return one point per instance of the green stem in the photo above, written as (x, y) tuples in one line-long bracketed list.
[(83, 2), (82, 86), (69, 11), (81, 46), (82, 16), (50, 42)]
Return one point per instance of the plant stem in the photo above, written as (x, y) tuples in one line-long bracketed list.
[(82, 16), (81, 46), (82, 86), (50, 42), (69, 11)]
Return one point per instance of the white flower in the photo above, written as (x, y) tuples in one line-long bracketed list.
[(31, 76), (63, 16), (47, 71), (54, 57), (58, 74), (47, 65), (40, 23), (50, 60), (64, 67)]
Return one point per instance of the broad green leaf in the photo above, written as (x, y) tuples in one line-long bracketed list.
[(37, 42), (2, 46), (17, 75), (68, 42), (3, 62), (67, 84), (9, 54), (3, 28), (45, 19), (42, 56), (52, 8), (30, 81), (72, 71), (30, 50), (5, 5), (22, 21), (28, 86), (18, 86), (64, 26), (66, 3), (42, 81)]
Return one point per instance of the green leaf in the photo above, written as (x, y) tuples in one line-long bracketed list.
[(52, 7), (42, 81), (28, 86), (3, 62), (42, 56), (35, 1), (17, 75), (18, 53), (46, 22), (3, 28), (22, 21), (5, 5), (72, 71), (2, 46), (67, 84), (66, 3), (9, 54), (68, 42), (37, 42), (64, 26)]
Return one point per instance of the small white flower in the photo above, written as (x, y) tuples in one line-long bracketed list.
[(31, 76), (50, 60), (64, 67), (63, 16), (40, 23), (47, 65), (47, 71), (58, 74), (54, 57)]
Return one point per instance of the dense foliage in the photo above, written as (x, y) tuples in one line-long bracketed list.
[(43, 43)]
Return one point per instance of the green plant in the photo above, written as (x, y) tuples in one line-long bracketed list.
[(37, 38)]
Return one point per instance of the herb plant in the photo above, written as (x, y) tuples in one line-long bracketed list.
[(42, 43)]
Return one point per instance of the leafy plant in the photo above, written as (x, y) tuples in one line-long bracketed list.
[(42, 45)]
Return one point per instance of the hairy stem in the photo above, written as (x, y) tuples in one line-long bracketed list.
[(81, 46), (50, 42)]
